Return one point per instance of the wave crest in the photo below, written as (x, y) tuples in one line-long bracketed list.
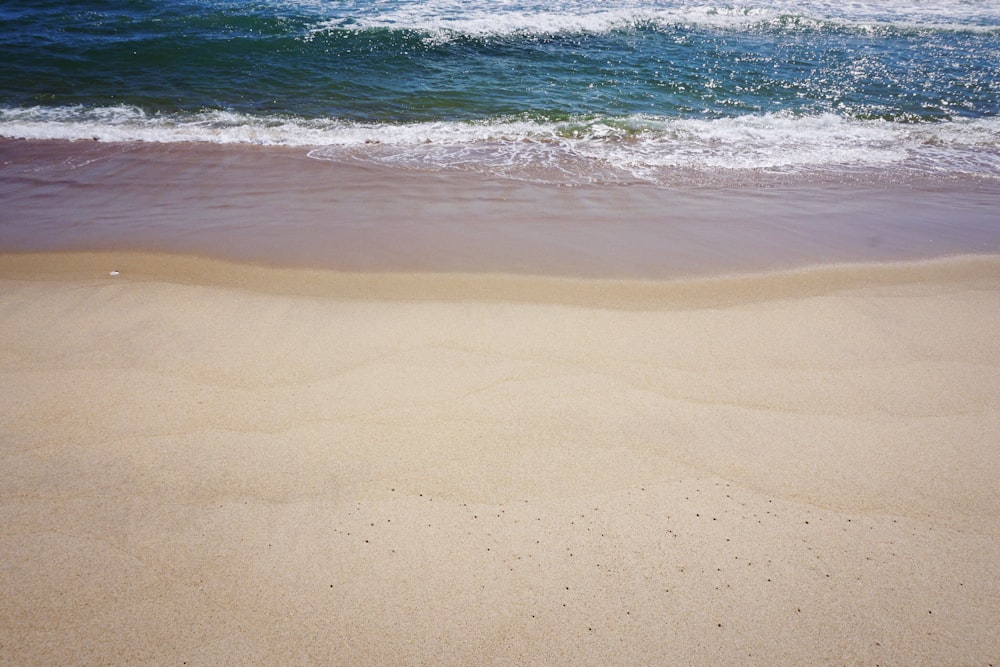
[(442, 21), (582, 149)]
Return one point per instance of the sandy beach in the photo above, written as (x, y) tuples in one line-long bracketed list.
[(219, 463), (597, 332)]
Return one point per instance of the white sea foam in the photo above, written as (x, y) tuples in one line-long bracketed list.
[(126, 123), (621, 149), (443, 20)]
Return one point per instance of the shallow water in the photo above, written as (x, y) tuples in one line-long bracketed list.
[(277, 206)]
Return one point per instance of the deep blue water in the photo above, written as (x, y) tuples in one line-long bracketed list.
[(582, 90)]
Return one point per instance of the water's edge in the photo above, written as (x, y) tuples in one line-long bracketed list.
[(277, 206)]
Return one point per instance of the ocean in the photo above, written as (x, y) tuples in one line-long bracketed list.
[(619, 91)]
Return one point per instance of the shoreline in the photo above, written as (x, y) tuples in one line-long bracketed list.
[(691, 292), (277, 206)]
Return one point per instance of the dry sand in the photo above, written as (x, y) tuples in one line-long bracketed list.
[(213, 464)]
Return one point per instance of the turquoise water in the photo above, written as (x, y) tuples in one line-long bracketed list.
[(578, 91)]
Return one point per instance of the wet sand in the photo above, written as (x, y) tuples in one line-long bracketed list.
[(207, 462), (258, 408), (277, 206)]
